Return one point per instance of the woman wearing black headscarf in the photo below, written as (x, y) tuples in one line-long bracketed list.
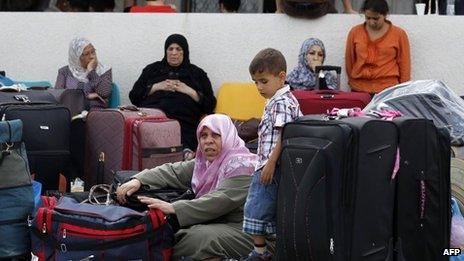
[(182, 90)]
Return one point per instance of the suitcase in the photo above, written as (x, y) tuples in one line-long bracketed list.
[(129, 140), (423, 220), (46, 131), (323, 101), (336, 197), (73, 99), (69, 230)]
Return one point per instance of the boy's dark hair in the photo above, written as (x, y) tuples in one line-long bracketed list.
[(378, 6), (307, 8), (101, 5), (230, 5), (268, 60), (79, 5)]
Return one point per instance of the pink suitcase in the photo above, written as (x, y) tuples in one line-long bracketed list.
[(130, 140)]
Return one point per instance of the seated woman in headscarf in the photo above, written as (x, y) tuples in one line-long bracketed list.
[(177, 87), (85, 72), (220, 175), (303, 77)]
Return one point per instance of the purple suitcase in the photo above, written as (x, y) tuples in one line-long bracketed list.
[(128, 137)]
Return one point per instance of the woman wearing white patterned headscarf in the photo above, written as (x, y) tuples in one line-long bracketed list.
[(85, 72)]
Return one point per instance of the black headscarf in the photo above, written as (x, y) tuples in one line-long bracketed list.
[(182, 42)]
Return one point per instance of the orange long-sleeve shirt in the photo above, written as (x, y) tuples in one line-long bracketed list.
[(373, 66)]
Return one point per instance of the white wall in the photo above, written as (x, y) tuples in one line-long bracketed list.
[(34, 45)]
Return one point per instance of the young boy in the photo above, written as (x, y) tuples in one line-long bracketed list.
[(268, 70)]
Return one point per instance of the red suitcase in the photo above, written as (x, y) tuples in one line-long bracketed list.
[(128, 140), (321, 101)]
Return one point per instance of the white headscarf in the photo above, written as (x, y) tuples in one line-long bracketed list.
[(76, 47)]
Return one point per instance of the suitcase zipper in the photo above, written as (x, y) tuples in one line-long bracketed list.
[(68, 229), (332, 246), (11, 221), (329, 213)]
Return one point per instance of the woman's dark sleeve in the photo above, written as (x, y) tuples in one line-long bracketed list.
[(140, 90), (207, 99)]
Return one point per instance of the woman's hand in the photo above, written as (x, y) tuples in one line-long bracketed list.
[(92, 65), (127, 189), (313, 65), (165, 207), (160, 86), (95, 96), (179, 86)]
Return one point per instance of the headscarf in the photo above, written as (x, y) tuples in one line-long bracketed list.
[(234, 159), (182, 42), (302, 77), (76, 47)]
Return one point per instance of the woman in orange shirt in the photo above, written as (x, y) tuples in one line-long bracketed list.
[(377, 52)]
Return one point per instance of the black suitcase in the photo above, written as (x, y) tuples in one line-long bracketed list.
[(46, 132), (336, 197), (423, 191), (31, 97)]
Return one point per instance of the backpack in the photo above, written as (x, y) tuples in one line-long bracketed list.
[(307, 8), (16, 193)]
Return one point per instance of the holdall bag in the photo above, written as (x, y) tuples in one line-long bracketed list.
[(16, 193), (68, 230)]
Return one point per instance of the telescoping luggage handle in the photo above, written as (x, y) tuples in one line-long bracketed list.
[(134, 108), (337, 69), (320, 68)]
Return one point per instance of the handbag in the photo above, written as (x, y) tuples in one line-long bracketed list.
[(166, 194), (247, 130)]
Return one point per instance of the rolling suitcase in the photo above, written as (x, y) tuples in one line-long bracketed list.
[(423, 219), (46, 132), (336, 197), (129, 140), (322, 100)]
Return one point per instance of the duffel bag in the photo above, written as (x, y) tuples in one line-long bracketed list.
[(68, 230), (16, 194)]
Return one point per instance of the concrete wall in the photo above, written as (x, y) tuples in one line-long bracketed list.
[(34, 45)]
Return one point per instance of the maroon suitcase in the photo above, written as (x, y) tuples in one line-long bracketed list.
[(130, 140), (321, 101)]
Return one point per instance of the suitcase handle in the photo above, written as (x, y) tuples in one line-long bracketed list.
[(338, 69), (327, 96), (128, 108)]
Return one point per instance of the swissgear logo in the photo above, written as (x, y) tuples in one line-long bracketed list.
[(451, 251)]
